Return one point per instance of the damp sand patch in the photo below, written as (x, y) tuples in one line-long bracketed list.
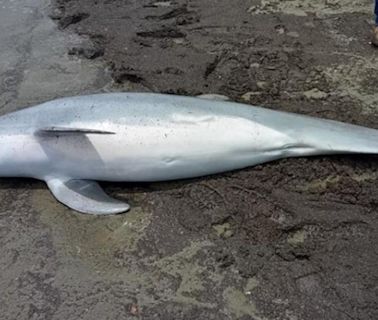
[(319, 8)]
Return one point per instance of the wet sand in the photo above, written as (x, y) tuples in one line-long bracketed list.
[(292, 239)]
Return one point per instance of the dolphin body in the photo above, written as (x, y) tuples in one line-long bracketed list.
[(72, 142)]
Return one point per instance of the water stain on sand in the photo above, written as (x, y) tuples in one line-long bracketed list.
[(107, 245), (90, 237)]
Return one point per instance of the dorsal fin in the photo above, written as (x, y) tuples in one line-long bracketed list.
[(214, 96), (65, 130)]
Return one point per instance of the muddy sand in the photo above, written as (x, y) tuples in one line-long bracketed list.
[(293, 239)]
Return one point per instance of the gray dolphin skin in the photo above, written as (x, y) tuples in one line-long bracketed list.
[(73, 142)]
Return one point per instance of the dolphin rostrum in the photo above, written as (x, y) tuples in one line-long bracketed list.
[(72, 142)]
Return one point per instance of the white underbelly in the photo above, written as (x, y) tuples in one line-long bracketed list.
[(182, 149), (153, 153)]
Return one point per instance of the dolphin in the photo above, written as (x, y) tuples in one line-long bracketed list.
[(70, 143)]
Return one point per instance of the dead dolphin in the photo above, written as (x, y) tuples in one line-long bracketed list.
[(72, 142)]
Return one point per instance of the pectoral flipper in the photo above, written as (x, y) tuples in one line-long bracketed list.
[(85, 196)]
